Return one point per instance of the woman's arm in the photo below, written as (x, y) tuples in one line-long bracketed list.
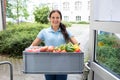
[(73, 40), (36, 42)]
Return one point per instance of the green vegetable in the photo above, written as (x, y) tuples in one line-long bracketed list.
[(62, 47), (69, 47)]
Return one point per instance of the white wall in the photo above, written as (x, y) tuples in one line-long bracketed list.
[(109, 12), (71, 13)]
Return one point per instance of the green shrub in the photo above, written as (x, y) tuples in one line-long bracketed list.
[(18, 37), (109, 57), (41, 14), (73, 22), (68, 24), (109, 53), (82, 22), (107, 39)]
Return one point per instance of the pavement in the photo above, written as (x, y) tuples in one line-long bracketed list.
[(81, 33)]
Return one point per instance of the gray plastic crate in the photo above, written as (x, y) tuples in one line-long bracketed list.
[(53, 63)]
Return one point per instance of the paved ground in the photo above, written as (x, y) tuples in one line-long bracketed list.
[(81, 33)]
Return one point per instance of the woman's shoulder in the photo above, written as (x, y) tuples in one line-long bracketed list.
[(46, 29)]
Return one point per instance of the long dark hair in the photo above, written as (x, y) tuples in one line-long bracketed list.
[(62, 26)]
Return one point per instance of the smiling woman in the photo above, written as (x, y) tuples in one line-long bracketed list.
[(55, 35)]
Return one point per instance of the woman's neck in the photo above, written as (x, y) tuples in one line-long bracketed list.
[(55, 28)]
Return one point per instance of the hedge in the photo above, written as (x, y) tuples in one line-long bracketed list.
[(16, 38)]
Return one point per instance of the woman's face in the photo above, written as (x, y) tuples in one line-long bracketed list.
[(55, 19)]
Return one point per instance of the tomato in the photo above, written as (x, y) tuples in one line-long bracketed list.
[(50, 49), (28, 50), (35, 50), (43, 49), (77, 50), (54, 51)]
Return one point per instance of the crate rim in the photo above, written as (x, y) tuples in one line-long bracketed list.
[(71, 53)]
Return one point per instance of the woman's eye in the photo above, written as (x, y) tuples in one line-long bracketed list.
[(53, 17), (56, 17)]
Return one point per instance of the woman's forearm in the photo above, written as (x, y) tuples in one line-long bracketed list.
[(36, 42)]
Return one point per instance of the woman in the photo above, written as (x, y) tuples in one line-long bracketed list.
[(55, 35)]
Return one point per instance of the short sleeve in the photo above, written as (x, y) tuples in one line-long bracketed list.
[(70, 34), (41, 35)]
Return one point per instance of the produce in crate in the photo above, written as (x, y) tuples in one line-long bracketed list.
[(43, 49), (59, 49), (33, 49), (50, 49)]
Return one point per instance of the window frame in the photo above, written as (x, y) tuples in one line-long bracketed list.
[(66, 6), (78, 5), (112, 27), (78, 18)]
